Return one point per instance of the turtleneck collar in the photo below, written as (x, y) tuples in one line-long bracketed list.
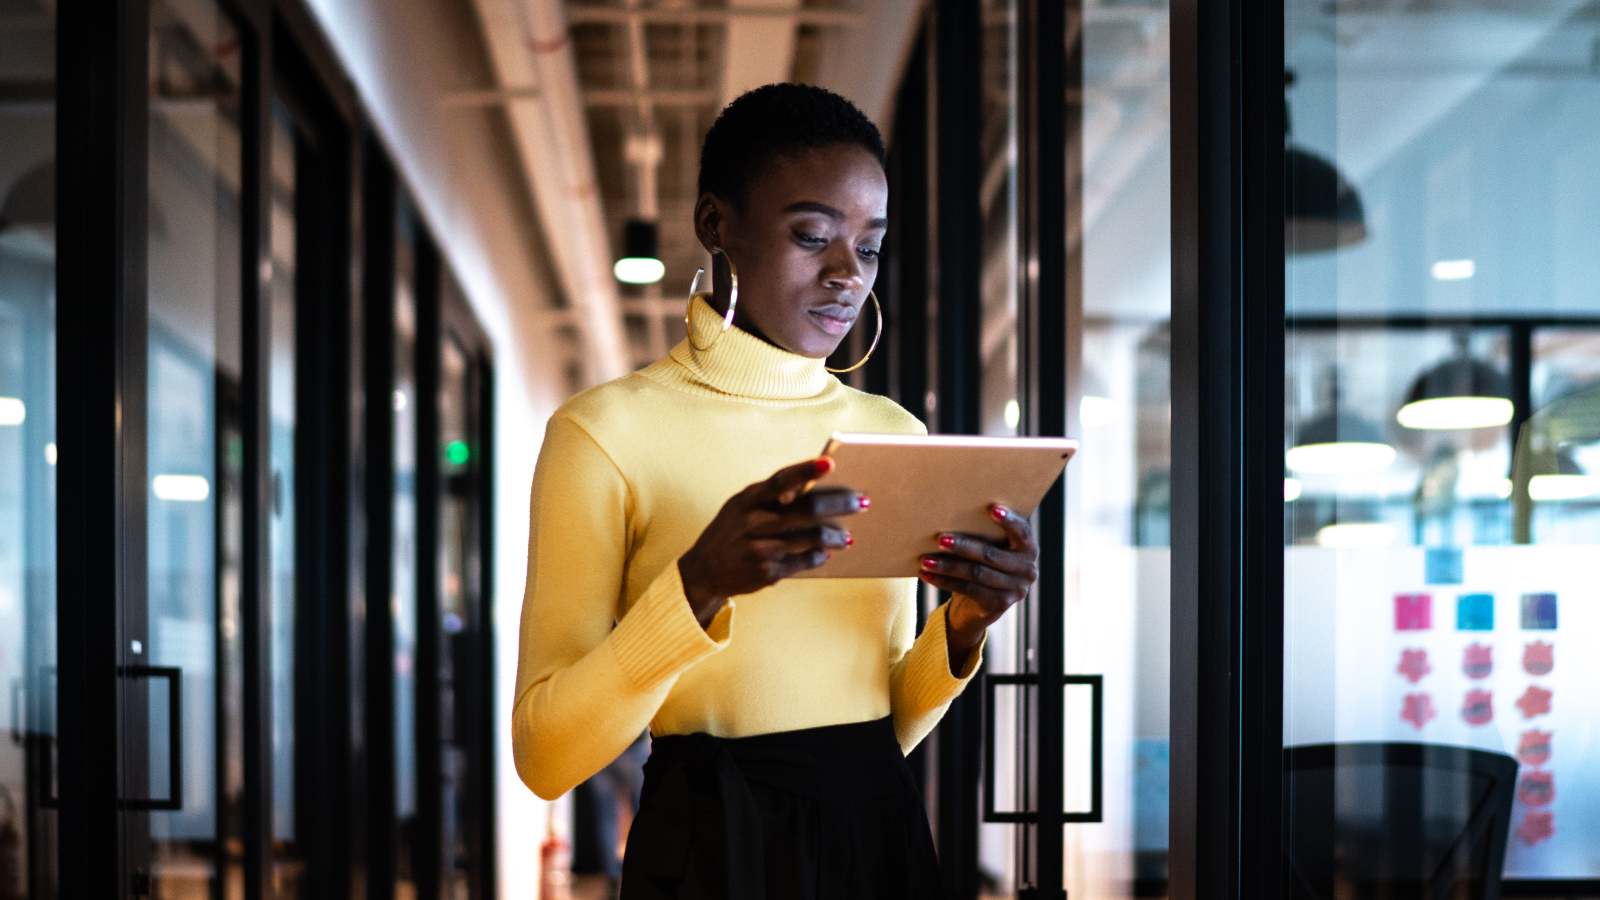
[(743, 365)]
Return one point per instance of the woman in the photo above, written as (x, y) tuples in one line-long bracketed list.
[(668, 517)]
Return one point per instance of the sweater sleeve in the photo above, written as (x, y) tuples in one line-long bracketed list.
[(588, 684), (921, 684)]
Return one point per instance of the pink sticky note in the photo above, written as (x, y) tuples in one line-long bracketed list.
[(1413, 612)]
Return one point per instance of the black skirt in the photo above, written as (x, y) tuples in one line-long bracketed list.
[(815, 814)]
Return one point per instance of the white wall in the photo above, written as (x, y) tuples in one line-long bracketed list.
[(401, 56)]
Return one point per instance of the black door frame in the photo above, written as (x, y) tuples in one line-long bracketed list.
[(1227, 435)]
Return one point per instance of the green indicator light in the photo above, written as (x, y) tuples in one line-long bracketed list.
[(456, 453)]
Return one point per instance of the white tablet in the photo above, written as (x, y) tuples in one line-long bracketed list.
[(922, 486)]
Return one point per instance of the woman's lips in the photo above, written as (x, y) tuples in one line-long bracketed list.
[(834, 323)]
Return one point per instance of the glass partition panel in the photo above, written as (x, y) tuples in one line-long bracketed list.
[(28, 826), (196, 451), (1442, 445)]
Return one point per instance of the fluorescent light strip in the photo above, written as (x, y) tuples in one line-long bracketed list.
[(1339, 458), (180, 488), (12, 411), (1554, 488), (1355, 535), (1454, 269)]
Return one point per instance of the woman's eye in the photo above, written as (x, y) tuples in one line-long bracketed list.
[(810, 240), (868, 252)]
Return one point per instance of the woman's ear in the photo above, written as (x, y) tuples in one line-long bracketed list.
[(709, 221)]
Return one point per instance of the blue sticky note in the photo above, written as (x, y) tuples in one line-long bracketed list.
[(1442, 565), (1539, 612), (1475, 612)]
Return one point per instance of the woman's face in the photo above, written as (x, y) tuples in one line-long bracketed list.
[(805, 245)]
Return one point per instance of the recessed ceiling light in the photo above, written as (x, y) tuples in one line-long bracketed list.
[(1454, 269)]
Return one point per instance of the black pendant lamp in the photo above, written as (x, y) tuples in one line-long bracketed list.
[(28, 212), (1336, 441), (1460, 393), (1321, 210), (640, 262)]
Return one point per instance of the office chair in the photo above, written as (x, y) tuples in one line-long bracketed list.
[(1395, 820)]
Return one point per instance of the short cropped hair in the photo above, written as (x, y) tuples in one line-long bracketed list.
[(774, 121)]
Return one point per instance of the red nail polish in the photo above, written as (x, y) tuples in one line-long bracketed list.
[(928, 563), (947, 541), (848, 539), (863, 501), (999, 512), (824, 465)]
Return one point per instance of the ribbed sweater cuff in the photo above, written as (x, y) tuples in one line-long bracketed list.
[(927, 680), (660, 637)]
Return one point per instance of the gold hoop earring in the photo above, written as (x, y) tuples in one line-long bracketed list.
[(733, 299), (863, 361)]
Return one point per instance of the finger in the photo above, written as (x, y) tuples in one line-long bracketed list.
[(1019, 531), (993, 602), (799, 562), (1020, 563), (783, 485), (820, 503), (977, 573), (798, 540)]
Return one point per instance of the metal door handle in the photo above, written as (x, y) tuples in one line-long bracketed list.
[(174, 679), (19, 697), (1096, 748)]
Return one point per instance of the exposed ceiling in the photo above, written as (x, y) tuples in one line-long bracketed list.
[(609, 101)]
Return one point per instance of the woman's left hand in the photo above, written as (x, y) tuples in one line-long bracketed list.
[(987, 578)]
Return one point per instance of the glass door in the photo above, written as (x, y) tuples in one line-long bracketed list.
[(1441, 504), (1075, 201), (29, 826), (187, 674)]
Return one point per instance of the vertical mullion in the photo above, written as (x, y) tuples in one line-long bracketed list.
[(1050, 297), (488, 884), (1258, 385), (427, 846), (1227, 390), (378, 226), (101, 403), (958, 44), (256, 431)]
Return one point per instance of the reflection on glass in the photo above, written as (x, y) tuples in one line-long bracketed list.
[(1435, 589), (403, 601), (458, 602), (998, 408), (288, 860), (195, 446), (28, 830), (1118, 490)]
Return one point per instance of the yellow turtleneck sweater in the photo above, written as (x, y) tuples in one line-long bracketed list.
[(630, 473)]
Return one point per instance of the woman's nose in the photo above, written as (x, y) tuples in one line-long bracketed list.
[(843, 269)]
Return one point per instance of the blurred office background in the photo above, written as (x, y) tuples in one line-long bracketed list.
[(289, 287)]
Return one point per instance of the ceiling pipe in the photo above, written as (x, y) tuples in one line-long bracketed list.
[(529, 47)]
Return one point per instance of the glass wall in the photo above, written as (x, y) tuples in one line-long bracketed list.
[(403, 599), (28, 835), (459, 619), (288, 861), (999, 411), (1442, 438), (193, 633), (1119, 158)]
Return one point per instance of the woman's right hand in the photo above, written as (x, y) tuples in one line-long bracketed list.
[(766, 533)]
